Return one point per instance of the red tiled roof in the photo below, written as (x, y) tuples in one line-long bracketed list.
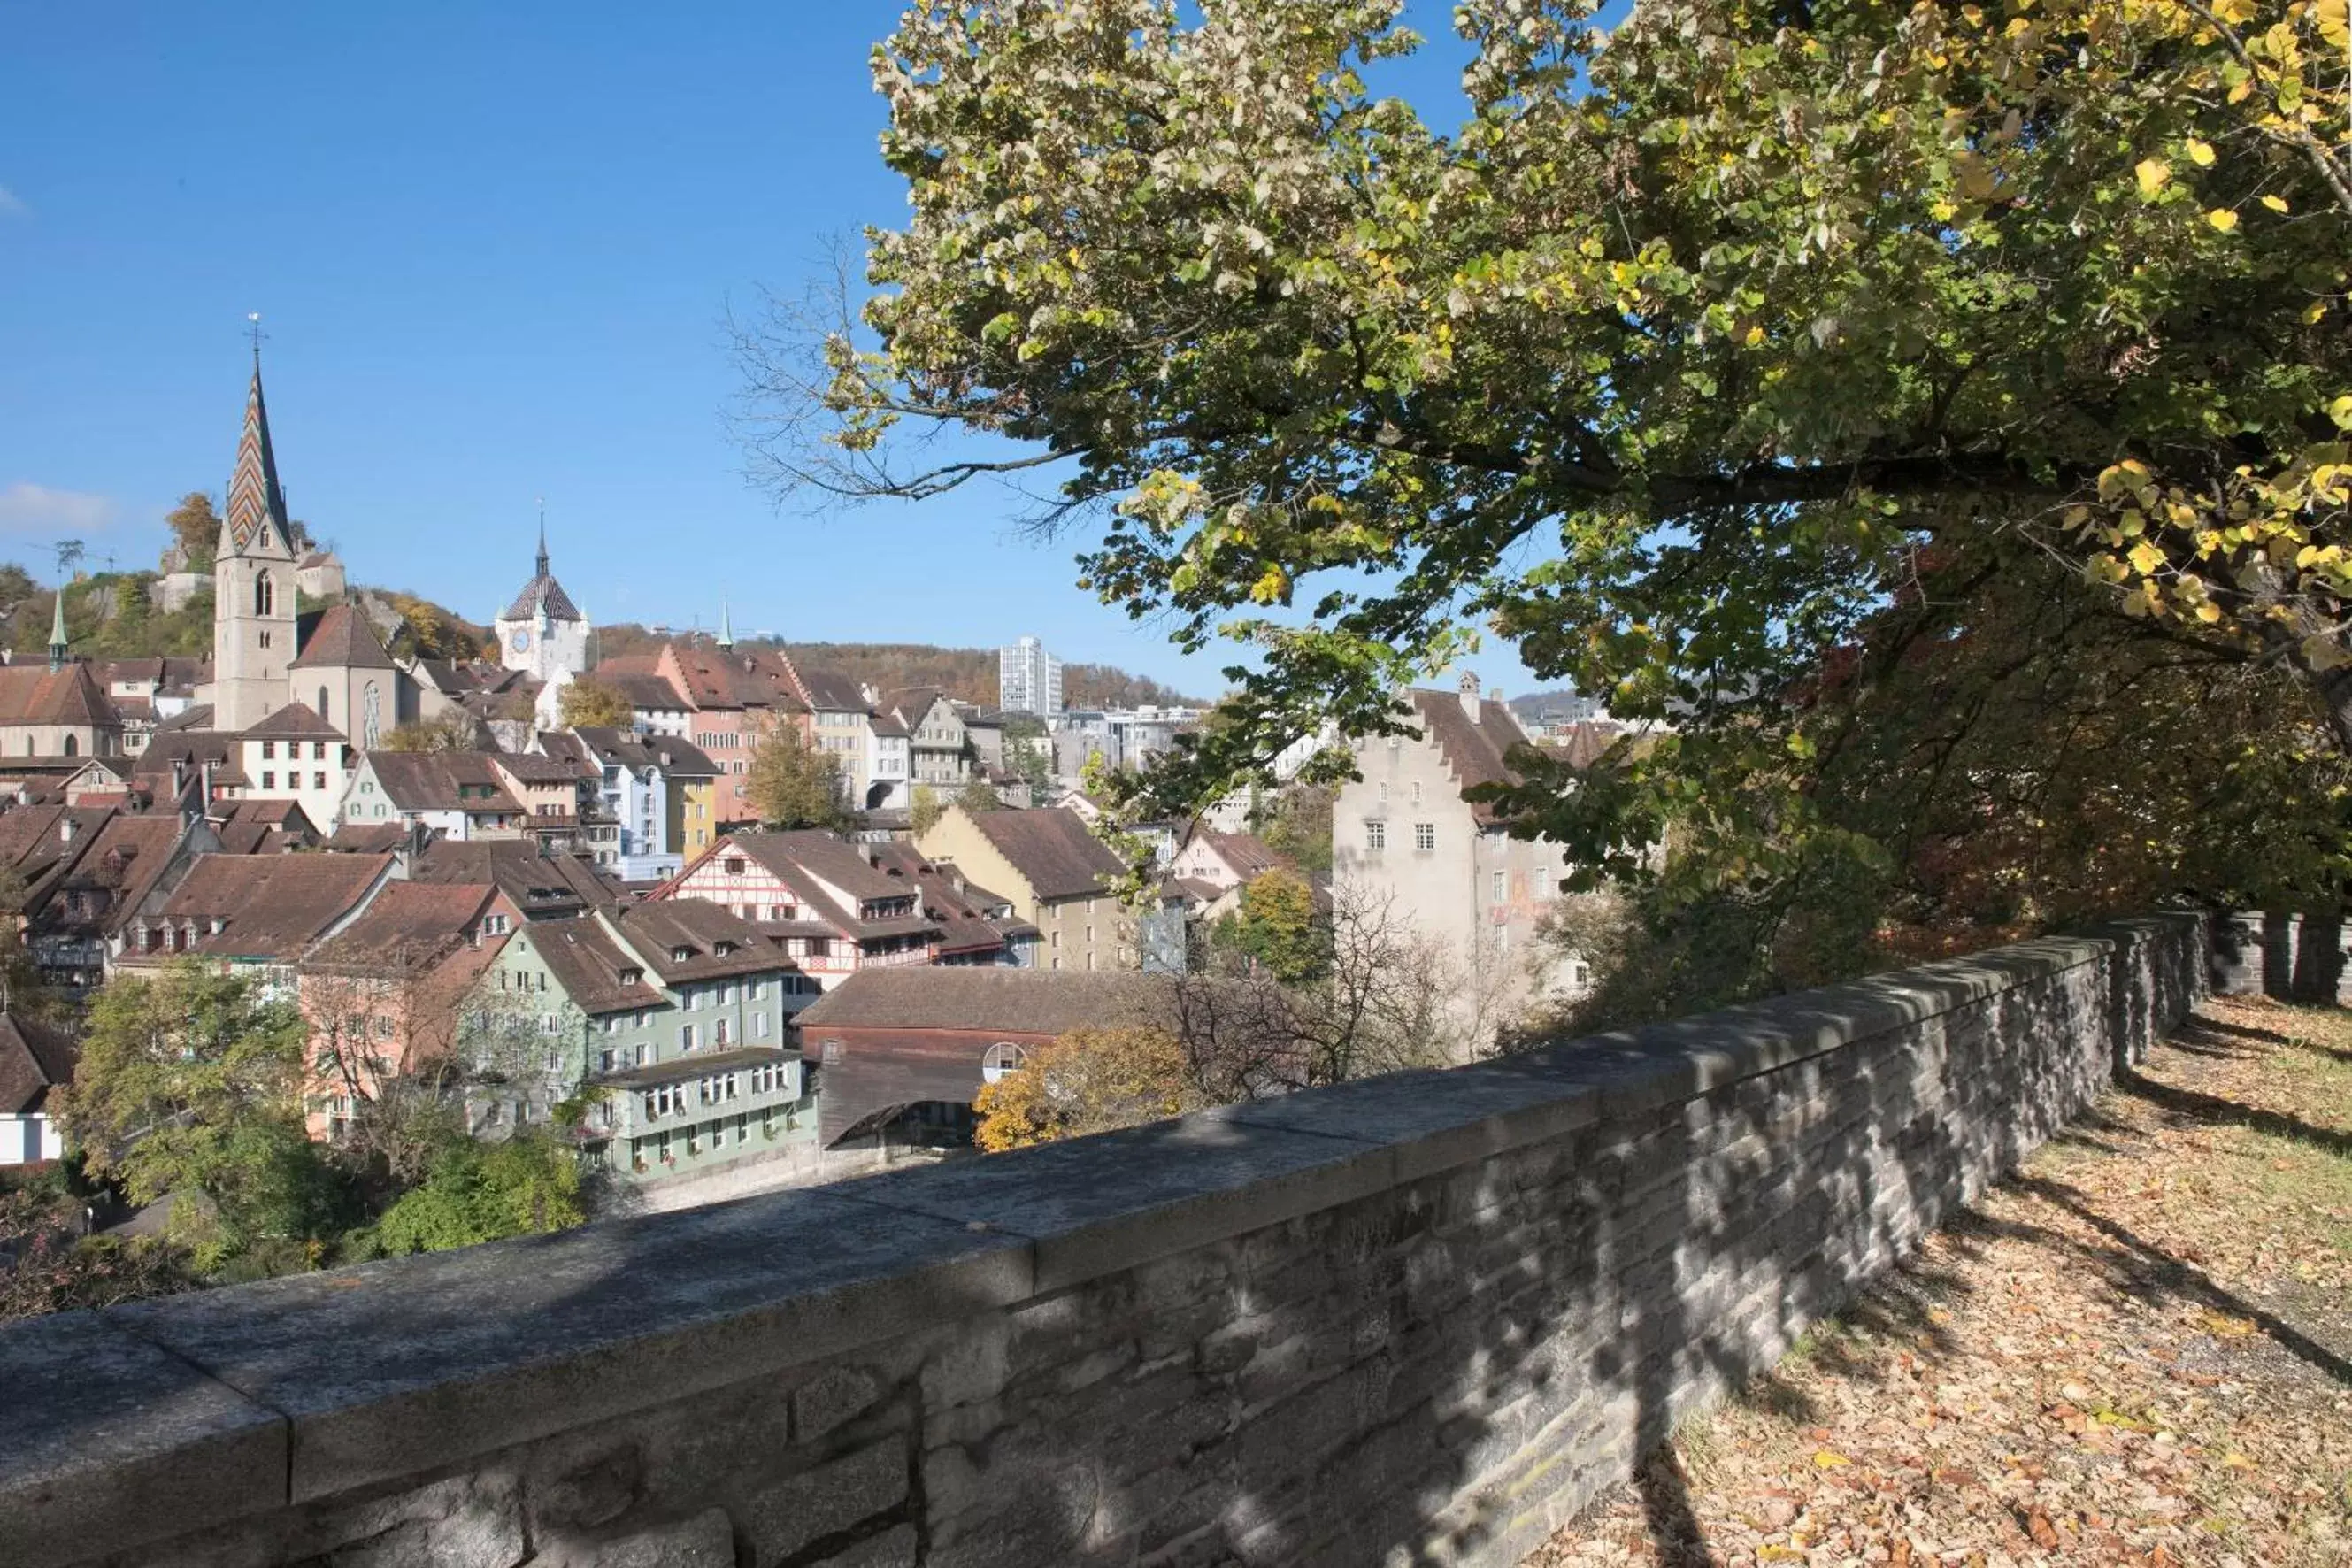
[(343, 640), (34, 694)]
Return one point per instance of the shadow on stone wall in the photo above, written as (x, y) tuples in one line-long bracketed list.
[(1260, 1337)]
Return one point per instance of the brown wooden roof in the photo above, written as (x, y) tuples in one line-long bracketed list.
[(980, 998), (270, 906), (295, 720), (35, 1058), (408, 926), (588, 964), (1052, 849), (661, 928), (1473, 751)]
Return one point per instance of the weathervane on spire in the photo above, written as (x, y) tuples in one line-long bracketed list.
[(253, 329)]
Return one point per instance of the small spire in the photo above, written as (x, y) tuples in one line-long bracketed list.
[(58, 632), (542, 536), (726, 627)]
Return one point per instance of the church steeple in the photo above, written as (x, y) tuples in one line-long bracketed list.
[(254, 626), (726, 627), (256, 524), (543, 540), (58, 632)]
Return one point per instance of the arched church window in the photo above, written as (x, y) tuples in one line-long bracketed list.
[(322, 705), (72, 745), (265, 594)]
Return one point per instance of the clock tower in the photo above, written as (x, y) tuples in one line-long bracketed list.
[(543, 633)]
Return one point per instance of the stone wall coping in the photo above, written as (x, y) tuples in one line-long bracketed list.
[(160, 1418)]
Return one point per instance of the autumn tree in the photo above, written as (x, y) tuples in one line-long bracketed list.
[(586, 703), (1296, 824), (924, 809), (430, 631), (1669, 362), (1278, 927), (54, 1267), (1028, 749), (1999, 755), (452, 730), (195, 531), (791, 784), (1088, 1080), (473, 1192), (190, 1083)]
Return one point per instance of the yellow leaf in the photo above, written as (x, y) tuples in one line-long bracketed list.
[(2238, 1462), (1828, 1459), (2340, 411), (2200, 152), (1755, 336), (2276, 204), (2223, 1326), (2145, 557), (2152, 174), (2209, 613), (2317, 309), (2222, 219)]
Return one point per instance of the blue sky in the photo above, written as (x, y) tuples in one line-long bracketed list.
[(493, 248)]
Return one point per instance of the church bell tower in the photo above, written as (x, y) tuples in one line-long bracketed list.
[(253, 581)]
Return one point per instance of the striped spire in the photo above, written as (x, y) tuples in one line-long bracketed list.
[(256, 507)]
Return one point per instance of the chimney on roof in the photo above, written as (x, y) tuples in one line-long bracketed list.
[(66, 828), (1468, 686)]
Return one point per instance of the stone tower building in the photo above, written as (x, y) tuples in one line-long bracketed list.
[(253, 582), (544, 634)]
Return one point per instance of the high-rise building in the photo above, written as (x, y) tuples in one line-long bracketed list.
[(1028, 679)]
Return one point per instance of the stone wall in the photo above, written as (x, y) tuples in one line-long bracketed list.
[(1414, 1320), (2293, 957)]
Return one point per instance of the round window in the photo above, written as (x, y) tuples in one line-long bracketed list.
[(1001, 1059)]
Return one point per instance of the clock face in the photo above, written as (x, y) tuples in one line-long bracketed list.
[(521, 642)]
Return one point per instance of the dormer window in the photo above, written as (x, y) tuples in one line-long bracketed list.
[(632, 976), (680, 954), (734, 865), (722, 948)]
